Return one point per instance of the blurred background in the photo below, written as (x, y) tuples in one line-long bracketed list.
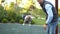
[(12, 11)]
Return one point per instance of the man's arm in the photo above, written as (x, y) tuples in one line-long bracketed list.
[(48, 8)]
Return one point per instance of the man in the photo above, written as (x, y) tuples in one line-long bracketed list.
[(51, 18)]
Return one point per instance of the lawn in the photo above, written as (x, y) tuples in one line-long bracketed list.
[(38, 21)]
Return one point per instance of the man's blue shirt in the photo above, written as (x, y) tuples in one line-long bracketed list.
[(48, 8)]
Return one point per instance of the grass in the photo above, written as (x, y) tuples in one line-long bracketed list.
[(38, 21)]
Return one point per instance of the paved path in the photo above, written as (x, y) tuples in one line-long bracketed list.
[(10, 28)]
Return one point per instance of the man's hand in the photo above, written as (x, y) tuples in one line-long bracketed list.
[(45, 26)]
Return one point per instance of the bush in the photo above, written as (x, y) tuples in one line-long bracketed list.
[(21, 21), (32, 22), (12, 21), (58, 12), (17, 18), (4, 20)]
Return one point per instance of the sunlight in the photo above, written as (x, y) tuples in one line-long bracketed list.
[(9, 1), (59, 4), (26, 3), (52, 1)]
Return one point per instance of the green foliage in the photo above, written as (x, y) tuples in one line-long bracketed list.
[(38, 21), (4, 20), (33, 22), (2, 13), (13, 14), (12, 21), (38, 13), (59, 12), (21, 21)]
